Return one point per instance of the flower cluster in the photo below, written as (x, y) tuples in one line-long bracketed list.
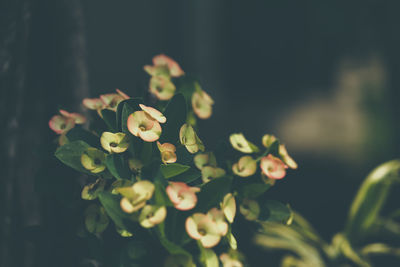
[(148, 169)]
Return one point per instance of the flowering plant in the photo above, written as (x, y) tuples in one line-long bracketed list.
[(151, 177)]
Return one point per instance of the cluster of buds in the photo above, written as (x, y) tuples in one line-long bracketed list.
[(106, 101), (271, 166), (162, 70), (207, 163)]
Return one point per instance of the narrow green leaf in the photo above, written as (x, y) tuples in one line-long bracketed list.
[(173, 169), (111, 204), (70, 154), (370, 199), (212, 193), (275, 211), (117, 166), (78, 133), (253, 190), (160, 195), (175, 113), (188, 176), (109, 118), (208, 258)]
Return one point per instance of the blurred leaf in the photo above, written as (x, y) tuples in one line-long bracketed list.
[(275, 211), (175, 113), (186, 85), (173, 169), (212, 193), (254, 190), (111, 204), (274, 148), (78, 133), (188, 176), (160, 195), (370, 199), (208, 258), (109, 118), (146, 152), (70, 155), (117, 166)]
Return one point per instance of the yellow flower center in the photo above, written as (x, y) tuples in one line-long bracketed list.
[(113, 144), (202, 231)]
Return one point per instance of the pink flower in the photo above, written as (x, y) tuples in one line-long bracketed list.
[(182, 196), (78, 118), (60, 124), (173, 67), (273, 167)]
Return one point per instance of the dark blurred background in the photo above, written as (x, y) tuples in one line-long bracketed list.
[(321, 75)]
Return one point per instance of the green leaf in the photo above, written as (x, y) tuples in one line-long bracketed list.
[(146, 152), (173, 169), (212, 193), (70, 154), (370, 199), (160, 195), (188, 176), (109, 118), (79, 134), (175, 113), (111, 204), (208, 258), (254, 190), (124, 109), (186, 85), (117, 166), (275, 211), (274, 148)]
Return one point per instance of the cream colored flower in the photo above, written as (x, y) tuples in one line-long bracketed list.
[(201, 227), (60, 124), (268, 140), (228, 207), (209, 173), (239, 142), (182, 196), (114, 142), (250, 209), (204, 159), (91, 191), (189, 139), (246, 166), (151, 215), (142, 125), (111, 101), (162, 87), (135, 196), (167, 152), (202, 104), (93, 160), (218, 218), (273, 167)]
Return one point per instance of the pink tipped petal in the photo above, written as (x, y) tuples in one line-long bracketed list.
[(93, 103), (191, 228), (125, 96), (210, 241), (154, 113), (143, 126), (273, 167), (202, 104)]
